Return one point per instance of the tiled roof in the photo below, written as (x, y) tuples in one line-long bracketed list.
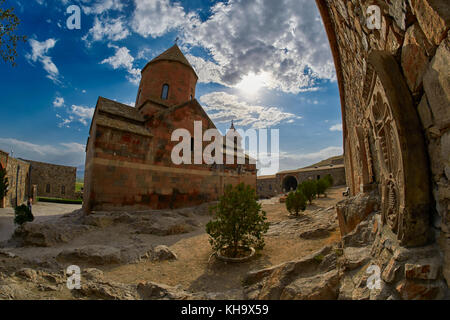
[(122, 125), (119, 109), (173, 54)]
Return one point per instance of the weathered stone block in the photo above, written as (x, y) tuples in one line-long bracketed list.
[(426, 270), (352, 211), (415, 290), (425, 113), (436, 83), (414, 57), (433, 17)]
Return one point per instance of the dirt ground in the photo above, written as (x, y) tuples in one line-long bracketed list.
[(196, 270)]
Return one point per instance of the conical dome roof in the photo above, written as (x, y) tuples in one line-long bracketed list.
[(173, 54)]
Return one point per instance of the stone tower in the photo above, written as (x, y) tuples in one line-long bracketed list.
[(167, 80)]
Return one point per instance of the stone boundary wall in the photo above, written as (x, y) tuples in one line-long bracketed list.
[(52, 180), (270, 186)]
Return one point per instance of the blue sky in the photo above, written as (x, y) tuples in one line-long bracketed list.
[(265, 64)]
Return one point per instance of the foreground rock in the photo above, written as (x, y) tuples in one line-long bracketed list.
[(313, 277), (64, 229), (318, 224), (368, 264), (107, 255)]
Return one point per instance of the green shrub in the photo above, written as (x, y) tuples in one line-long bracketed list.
[(22, 214), (322, 186), (296, 202), (329, 179), (309, 189), (238, 221)]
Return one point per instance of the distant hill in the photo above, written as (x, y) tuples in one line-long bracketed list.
[(330, 161)]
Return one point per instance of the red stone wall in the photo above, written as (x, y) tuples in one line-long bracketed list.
[(125, 170), (180, 78)]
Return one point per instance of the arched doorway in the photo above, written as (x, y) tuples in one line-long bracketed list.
[(290, 183)]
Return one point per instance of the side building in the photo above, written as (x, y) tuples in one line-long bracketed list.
[(285, 181), (27, 178)]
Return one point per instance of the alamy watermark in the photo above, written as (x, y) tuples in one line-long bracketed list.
[(237, 147), (74, 279), (74, 20), (373, 17), (374, 281)]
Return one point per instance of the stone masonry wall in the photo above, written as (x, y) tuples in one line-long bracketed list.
[(414, 35), (267, 187), (53, 181), (18, 178)]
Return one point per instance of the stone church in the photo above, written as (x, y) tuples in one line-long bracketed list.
[(128, 153)]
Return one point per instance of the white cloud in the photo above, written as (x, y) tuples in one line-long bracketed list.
[(83, 114), (284, 38), (122, 59), (70, 154), (154, 18), (39, 52), (223, 107), (109, 29), (101, 6), (207, 71), (336, 127), (76, 113), (58, 102)]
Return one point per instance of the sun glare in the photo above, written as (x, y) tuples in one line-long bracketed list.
[(252, 83)]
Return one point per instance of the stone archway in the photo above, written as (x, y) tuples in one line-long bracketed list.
[(394, 91), (290, 183)]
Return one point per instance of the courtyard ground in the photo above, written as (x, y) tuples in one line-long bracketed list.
[(42, 211), (194, 270)]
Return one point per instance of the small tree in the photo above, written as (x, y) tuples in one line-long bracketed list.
[(239, 221), (8, 38), (3, 184), (329, 180), (22, 214), (295, 202), (309, 189), (322, 186)]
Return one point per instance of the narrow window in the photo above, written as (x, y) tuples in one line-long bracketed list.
[(192, 144), (63, 190), (191, 96), (165, 92), (318, 177), (47, 189)]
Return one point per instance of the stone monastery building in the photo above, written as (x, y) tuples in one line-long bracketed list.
[(128, 153)]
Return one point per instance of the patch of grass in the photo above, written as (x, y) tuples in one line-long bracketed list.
[(56, 200), (78, 186)]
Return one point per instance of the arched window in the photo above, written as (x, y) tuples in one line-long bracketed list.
[(47, 188), (63, 190), (165, 92)]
